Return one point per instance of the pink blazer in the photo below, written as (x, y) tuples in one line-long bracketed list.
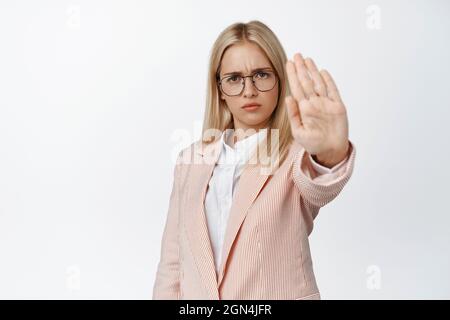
[(266, 251)]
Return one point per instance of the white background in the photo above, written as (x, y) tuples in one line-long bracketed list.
[(94, 95)]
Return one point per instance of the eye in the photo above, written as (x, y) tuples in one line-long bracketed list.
[(262, 74), (234, 78)]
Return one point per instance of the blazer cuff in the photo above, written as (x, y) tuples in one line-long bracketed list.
[(318, 187), (322, 169)]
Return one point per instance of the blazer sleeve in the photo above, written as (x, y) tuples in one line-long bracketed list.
[(167, 282), (318, 188)]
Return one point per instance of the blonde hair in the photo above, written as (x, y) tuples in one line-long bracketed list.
[(217, 115)]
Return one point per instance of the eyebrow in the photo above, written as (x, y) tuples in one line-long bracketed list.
[(238, 72)]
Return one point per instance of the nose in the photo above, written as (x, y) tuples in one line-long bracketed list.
[(249, 89)]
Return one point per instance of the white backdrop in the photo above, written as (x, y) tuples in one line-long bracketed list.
[(92, 104)]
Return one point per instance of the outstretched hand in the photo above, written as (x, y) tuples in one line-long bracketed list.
[(317, 114)]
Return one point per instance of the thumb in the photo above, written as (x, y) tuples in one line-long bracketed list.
[(294, 114)]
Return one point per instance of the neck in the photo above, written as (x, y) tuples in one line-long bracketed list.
[(243, 128), (237, 136)]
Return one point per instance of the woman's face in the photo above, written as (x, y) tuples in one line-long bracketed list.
[(243, 59)]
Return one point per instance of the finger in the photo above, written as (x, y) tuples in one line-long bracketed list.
[(305, 79), (319, 83), (294, 113), (294, 83), (332, 90)]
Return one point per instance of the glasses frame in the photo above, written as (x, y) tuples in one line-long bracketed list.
[(244, 82)]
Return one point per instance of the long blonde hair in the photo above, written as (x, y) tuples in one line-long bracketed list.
[(217, 115)]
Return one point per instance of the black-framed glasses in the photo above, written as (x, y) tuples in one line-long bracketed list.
[(233, 85)]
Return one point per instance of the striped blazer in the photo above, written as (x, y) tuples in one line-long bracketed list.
[(266, 252)]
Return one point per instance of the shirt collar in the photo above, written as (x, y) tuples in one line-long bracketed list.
[(244, 147)]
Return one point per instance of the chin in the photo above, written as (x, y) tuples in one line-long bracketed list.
[(254, 121)]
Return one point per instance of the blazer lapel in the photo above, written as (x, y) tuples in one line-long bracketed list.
[(196, 224), (250, 183)]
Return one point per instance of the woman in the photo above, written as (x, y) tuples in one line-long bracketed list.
[(236, 227)]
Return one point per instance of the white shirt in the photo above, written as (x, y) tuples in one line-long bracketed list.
[(224, 179)]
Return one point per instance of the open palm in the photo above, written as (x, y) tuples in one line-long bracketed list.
[(317, 114)]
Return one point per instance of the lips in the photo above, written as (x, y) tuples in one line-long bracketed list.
[(251, 105)]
